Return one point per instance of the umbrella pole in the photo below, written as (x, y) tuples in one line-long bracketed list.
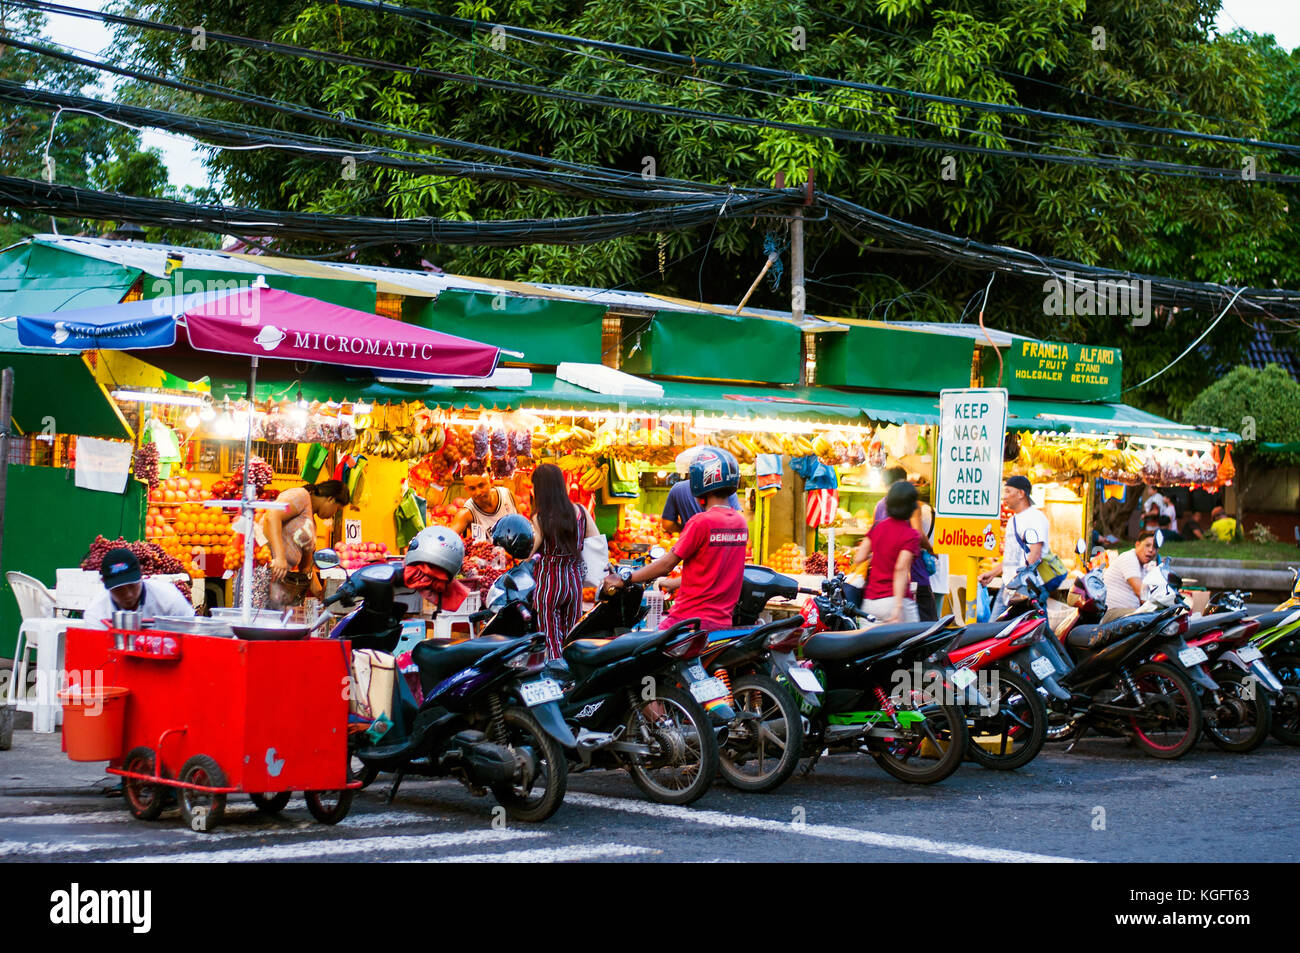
[(247, 510)]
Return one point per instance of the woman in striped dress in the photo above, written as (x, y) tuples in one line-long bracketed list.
[(561, 525)]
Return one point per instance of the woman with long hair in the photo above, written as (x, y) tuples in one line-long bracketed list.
[(561, 526)]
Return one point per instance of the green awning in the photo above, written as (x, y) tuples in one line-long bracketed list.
[(1108, 418), (57, 389), (38, 279), (544, 330), (713, 347)]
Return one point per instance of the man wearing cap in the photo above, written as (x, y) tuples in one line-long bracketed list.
[(1026, 539), (125, 588), (681, 505)]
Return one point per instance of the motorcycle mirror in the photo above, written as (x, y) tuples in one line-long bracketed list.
[(325, 559), (657, 551), (1080, 546), (1160, 538)]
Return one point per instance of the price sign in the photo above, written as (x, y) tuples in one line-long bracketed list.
[(972, 429), (351, 531)]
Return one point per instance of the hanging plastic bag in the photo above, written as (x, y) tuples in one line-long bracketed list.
[(983, 605)]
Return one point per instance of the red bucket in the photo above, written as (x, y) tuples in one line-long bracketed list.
[(93, 721)]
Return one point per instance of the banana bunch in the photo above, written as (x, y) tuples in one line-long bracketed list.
[(573, 461), (567, 439), (740, 446), (394, 445), (797, 446), (594, 477)]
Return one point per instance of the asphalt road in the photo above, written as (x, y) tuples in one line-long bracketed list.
[(1105, 801)]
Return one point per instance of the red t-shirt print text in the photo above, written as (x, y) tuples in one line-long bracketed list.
[(712, 550)]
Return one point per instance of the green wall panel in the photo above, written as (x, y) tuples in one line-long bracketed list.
[(359, 295), (714, 347), (38, 279), (893, 359), (547, 330), (50, 524)]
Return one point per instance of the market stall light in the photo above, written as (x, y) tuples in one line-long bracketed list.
[(147, 397), (192, 420)]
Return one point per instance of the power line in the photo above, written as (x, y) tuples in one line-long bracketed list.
[(544, 92), (71, 201)]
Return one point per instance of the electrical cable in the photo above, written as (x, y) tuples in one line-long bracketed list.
[(543, 92)]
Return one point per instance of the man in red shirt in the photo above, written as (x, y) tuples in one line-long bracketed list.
[(711, 548)]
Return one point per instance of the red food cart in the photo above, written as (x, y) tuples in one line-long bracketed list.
[(211, 716)]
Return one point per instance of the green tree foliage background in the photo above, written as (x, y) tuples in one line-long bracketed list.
[(1140, 62)]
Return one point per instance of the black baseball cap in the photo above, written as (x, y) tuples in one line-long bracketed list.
[(1021, 483), (119, 568)]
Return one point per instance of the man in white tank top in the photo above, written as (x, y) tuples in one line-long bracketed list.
[(486, 504)]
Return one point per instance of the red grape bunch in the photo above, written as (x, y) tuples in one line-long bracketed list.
[(145, 464)]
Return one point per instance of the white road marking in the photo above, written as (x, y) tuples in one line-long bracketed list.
[(826, 831), (286, 822), (324, 849), (546, 855)]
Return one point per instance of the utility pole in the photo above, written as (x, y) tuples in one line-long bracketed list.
[(6, 422), (797, 293)]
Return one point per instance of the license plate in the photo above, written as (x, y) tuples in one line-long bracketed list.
[(963, 677), (540, 692), (708, 690), (805, 679), (1194, 655), (697, 673), (1249, 654), (1042, 667)]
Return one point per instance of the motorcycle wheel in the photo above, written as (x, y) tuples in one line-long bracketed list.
[(1021, 724), (1174, 722), (1244, 733), (1286, 716), (761, 754), (929, 753), (688, 759), (529, 742)]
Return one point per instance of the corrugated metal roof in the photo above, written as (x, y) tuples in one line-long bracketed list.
[(1264, 350), (151, 258)]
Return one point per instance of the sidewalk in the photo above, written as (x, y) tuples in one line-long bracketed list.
[(36, 766)]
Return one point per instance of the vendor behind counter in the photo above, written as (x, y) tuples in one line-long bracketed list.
[(126, 589)]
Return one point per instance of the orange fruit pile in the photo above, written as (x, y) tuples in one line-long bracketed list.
[(179, 490)]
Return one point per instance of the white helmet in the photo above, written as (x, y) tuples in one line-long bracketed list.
[(437, 546)]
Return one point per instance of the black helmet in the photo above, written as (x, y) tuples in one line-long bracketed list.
[(514, 534), (713, 470)]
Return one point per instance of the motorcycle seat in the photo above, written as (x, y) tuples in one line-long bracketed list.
[(437, 662), (855, 643), (558, 669), (1270, 620), (592, 653), (979, 631), (1208, 623), (1097, 637)]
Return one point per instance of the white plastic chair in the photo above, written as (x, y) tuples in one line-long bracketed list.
[(42, 634)]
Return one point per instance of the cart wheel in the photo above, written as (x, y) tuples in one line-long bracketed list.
[(329, 807), (145, 801), (271, 803), (202, 810)]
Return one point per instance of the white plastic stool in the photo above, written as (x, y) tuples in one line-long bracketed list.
[(44, 637), (443, 621)]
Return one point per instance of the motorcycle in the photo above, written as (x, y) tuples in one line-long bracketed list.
[(488, 718), (756, 662), (1260, 699), (885, 690), (637, 699), (1115, 689), (1014, 726)]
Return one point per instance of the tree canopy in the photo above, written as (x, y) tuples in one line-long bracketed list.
[(1157, 64)]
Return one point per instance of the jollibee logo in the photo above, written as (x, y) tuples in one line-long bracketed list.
[(990, 539)]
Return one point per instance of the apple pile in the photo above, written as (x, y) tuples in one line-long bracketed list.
[(355, 555)]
